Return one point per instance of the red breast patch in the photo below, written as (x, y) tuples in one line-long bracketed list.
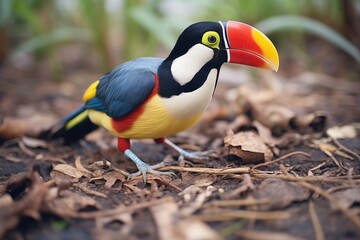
[(125, 123)]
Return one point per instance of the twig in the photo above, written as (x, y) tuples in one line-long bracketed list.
[(126, 174), (256, 235), (121, 209), (236, 214), (333, 158), (282, 158), (238, 202), (339, 188), (207, 170), (305, 179), (354, 218), (319, 233), (26, 150), (342, 147), (310, 173), (90, 191)]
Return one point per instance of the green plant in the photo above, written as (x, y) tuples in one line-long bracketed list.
[(288, 23)]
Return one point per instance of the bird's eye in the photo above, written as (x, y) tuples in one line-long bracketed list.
[(211, 39)]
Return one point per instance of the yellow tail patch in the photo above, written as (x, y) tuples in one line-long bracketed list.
[(76, 120), (90, 91)]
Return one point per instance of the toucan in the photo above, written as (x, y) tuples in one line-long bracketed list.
[(151, 98)]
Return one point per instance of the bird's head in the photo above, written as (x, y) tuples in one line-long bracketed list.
[(225, 41)]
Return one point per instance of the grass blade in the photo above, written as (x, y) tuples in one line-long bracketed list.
[(290, 22)]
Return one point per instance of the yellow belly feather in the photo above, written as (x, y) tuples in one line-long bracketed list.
[(154, 122)]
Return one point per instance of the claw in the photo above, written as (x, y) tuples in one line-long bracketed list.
[(195, 156), (144, 168)]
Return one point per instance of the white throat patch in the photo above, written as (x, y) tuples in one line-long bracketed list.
[(186, 66), (192, 103)]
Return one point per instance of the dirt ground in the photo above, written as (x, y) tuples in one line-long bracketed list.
[(286, 162)]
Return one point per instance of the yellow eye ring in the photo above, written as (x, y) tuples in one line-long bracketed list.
[(211, 39)]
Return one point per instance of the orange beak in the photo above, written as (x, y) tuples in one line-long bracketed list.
[(249, 46)]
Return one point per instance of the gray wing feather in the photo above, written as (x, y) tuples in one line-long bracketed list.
[(127, 86)]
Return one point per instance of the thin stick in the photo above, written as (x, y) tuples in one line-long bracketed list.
[(354, 218), (304, 179), (208, 170), (236, 214), (258, 235), (319, 233), (238, 202), (342, 147), (121, 209), (282, 158)]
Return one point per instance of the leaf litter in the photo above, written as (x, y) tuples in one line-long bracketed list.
[(273, 167)]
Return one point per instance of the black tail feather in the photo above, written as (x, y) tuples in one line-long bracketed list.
[(63, 130)]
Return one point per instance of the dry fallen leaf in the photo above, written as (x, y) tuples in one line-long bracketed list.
[(110, 178), (83, 187), (276, 117), (5, 200), (170, 225), (313, 122), (67, 204), (34, 142), (245, 185), (125, 218), (280, 193), (248, 146), (79, 165), (346, 131), (195, 197), (71, 171), (11, 128), (29, 205), (348, 197)]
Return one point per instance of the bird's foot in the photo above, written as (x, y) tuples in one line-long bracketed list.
[(192, 156), (145, 168), (195, 156)]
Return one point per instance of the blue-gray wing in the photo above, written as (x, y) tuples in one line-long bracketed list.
[(125, 87)]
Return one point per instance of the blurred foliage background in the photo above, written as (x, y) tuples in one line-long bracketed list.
[(108, 32)]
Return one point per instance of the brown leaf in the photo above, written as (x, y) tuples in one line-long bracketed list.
[(67, 204), (152, 177), (34, 143), (276, 117), (248, 146), (110, 178), (11, 128), (348, 197), (170, 224), (195, 197), (70, 171), (342, 132), (313, 122), (29, 205), (89, 191), (280, 193), (125, 218), (5, 200), (79, 165), (245, 185)]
